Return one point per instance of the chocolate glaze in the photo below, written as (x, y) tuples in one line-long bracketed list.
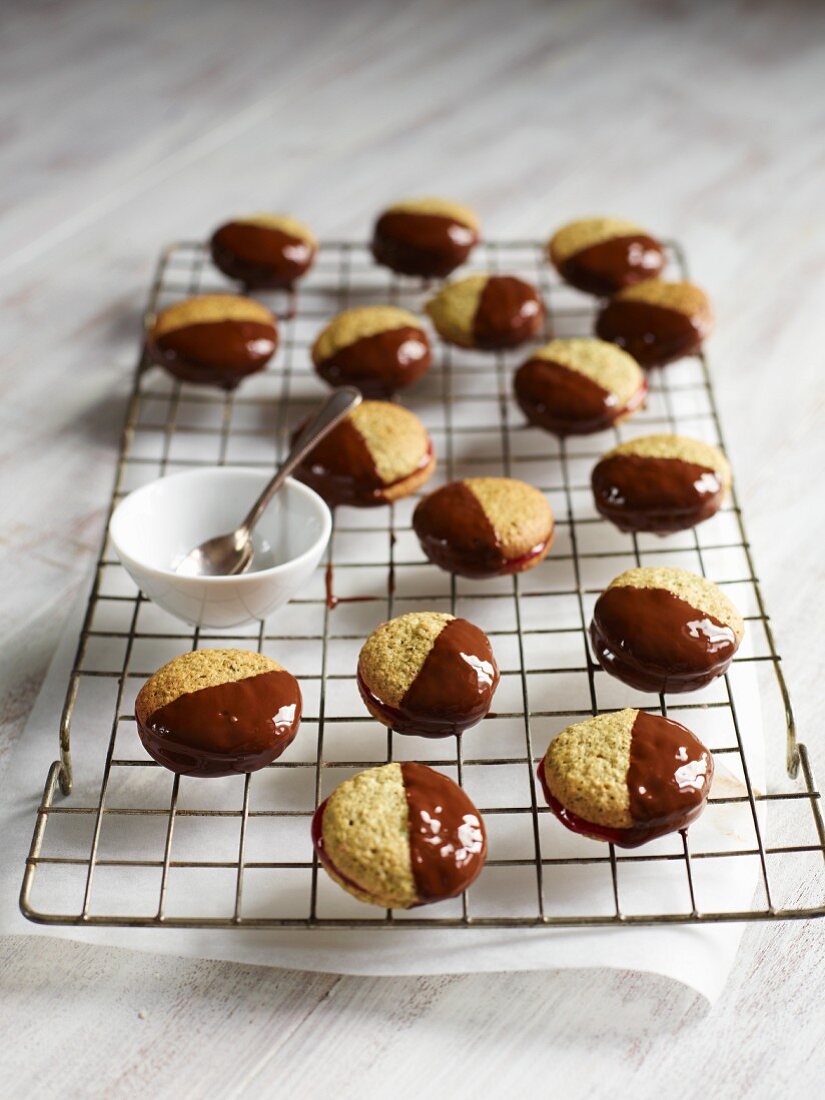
[(567, 402), (216, 353), (341, 469), (660, 495), (260, 255), (653, 335), (610, 265), (668, 781), (509, 312), (430, 245), (456, 535), (379, 364), (448, 841), (227, 729), (655, 641), (452, 691)]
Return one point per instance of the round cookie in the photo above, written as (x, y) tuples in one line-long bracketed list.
[(429, 237), (665, 630), (218, 712), (489, 312), (657, 322), (579, 386), (660, 483), (400, 835), (427, 673), (603, 255), (214, 339), (379, 453), (485, 526), (263, 250), (379, 349), (626, 777)]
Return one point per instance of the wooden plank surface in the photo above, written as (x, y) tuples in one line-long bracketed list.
[(125, 125)]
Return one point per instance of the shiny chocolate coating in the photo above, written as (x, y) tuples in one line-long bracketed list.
[(448, 841), (260, 255), (668, 782), (509, 312), (429, 245), (654, 641), (452, 690), (566, 402), (379, 364), (227, 729), (656, 495), (215, 353), (611, 265), (654, 335)]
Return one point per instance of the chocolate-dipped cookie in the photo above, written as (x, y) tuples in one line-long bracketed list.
[(214, 339), (264, 250), (379, 349), (427, 673), (657, 322), (626, 777), (379, 453), (603, 255), (489, 312), (578, 386), (218, 712), (660, 483), (485, 526), (400, 835), (665, 630), (429, 237)]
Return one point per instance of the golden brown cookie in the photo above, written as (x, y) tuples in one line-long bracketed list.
[(379, 349), (400, 835), (429, 237), (218, 712), (603, 255), (489, 312), (264, 250), (657, 322), (485, 526)]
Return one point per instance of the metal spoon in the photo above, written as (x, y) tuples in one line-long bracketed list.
[(230, 554)]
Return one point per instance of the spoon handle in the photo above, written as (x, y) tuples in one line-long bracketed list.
[(332, 412)]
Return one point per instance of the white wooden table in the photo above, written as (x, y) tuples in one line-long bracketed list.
[(123, 126)]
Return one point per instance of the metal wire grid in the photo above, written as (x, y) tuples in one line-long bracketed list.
[(262, 412)]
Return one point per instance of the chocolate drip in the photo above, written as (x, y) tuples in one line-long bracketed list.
[(379, 364), (660, 495), (217, 353), (260, 255), (448, 842), (226, 729), (456, 534), (655, 641), (429, 245), (654, 335), (567, 402), (611, 265), (509, 312)]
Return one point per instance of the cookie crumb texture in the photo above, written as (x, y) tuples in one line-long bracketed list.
[(489, 312), (264, 250), (379, 349), (603, 255), (428, 237), (657, 322)]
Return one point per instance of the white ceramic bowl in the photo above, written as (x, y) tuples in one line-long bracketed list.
[(157, 525)]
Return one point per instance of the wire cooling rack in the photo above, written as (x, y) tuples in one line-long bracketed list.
[(123, 842)]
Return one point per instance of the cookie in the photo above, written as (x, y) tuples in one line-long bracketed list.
[(485, 526), (400, 835), (603, 255), (626, 777), (379, 349), (665, 630), (214, 339), (657, 322), (660, 483), (379, 453), (579, 386), (218, 712), (427, 673), (428, 237), (263, 250), (490, 312)]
